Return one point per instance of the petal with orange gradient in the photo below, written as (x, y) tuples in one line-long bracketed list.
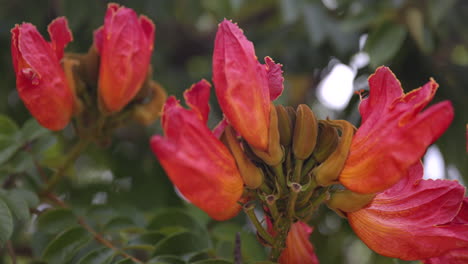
[(299, 249), (196, 161), (394, 133), (412, 219), (241, 84), (125, 44)]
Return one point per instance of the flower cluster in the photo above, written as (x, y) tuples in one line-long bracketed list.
[(56, 86), (291, 162)]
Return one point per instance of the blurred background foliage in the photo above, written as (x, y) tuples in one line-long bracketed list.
[(122, 192)]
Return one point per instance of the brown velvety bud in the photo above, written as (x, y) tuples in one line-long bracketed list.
[(251, 174), (148, 112), (327, 173), (285, 125), (327, 142), (75, 83), (274, 155), (305, 132), (347, 201)]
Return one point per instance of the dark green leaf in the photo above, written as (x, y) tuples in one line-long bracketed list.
[(384, 42), (175, 220), (181, 243), (56, 220), (6, 223), (125, 261), (18, 206), (65, 245), (212, 261), (167, 260), (31, 130), (7, 127), (149, 238), (98, 256), (119, 223), (28, 196)]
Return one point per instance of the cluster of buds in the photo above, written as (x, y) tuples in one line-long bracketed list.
[(290, 162), (102, 88)]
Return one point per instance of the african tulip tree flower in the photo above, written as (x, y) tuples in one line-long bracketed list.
[(40, 79), (414, 219), (298, 249), (460, 255), (394, 133), (125, 44), (195, 160), (244, 87)]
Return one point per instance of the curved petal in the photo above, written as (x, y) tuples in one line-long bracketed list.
[(198, 163), (409, 220), (458, 256), (197, 97), (275, 78), (241, 85), (394, 133), (299, 249), (60, 35)]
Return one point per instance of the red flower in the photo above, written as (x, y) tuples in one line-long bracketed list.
[(244, 87), (298, 249), (195, 160), (40, 79), (414, 219), (125, 44), (457, 256), (394, 133)]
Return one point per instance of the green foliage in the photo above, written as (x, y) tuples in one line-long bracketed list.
[(120, 194)]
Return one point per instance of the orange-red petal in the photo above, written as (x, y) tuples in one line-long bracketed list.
[(40, 80), (412, 219), (196, 161), (394, 133), (299, 249), (241, 85), (125, 44)]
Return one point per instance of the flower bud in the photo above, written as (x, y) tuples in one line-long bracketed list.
[(305, 132), (285, 125), (326, 142), (40, 79), (251, 174), (327, 173), (346, 201), (148, 112), (125, 44), (274, 154)]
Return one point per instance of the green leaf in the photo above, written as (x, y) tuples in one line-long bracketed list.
[(212, 261), (56, 220), (174, 221), (384, 42), (119, 223), (6, 223), (7, 127), (28, 196), (31, 130), (125, 261), (18, 206), (8, 148), (149, 238), (167, 260), (65, 245), (98, 256), (181, 243)]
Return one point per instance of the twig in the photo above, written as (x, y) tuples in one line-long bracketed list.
[(98, 237), (11, 252)]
